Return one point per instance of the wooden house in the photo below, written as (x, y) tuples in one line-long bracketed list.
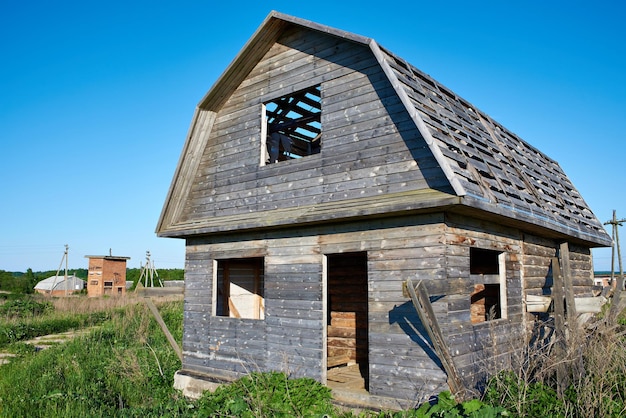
[(319, 174), (106, 275)]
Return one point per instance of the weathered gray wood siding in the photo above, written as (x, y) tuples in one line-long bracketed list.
[(581, 264), (432, 247), (369, 144), (291, 338), (401, 365), (294, 305), (215, 345), (538, 254), (484, 347)]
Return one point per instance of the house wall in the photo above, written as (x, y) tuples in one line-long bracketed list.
[(433, 247), (484, 347), (95, 278), (370, 146), (538, 254)]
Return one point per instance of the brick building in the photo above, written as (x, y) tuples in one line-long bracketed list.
[(107, 275)]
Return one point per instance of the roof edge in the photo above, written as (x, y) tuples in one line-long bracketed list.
[(254, 49), (595, 239), (417, 119)]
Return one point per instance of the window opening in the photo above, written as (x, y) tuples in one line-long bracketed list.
[(293, 125), (487, 276), (240, 288)]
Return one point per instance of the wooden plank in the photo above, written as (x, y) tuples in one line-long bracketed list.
[(333, 361), (168, 335), (421, 301), (559, 325), (566, 271), (558, 296)]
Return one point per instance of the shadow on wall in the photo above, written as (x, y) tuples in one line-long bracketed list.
[(406, 317)]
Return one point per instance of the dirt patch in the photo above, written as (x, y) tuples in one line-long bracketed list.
[(46, 341)]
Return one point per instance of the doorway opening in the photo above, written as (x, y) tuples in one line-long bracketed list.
[(347, 330)]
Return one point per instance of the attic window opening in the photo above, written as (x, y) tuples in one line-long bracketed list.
[(293, 126), (240, 288), (488, 299)]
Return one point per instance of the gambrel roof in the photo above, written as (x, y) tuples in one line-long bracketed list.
[(489, 169)]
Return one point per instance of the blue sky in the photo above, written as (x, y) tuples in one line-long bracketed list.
[(96, 99)]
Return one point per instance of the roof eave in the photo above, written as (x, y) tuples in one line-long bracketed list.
[(418, 201), (535, 222)]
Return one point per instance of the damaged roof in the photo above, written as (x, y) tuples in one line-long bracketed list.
[(488, 167)]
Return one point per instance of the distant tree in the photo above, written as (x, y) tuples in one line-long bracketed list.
[(5, 280), (132, 275), (15, 284), (171, 274), (81, 273), (30, 279)]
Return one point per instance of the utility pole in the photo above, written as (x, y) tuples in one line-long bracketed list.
[(615, 236), (148, 271), (619, 285), (66, 257), (54, 282)]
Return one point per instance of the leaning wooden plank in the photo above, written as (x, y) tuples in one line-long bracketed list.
[(619, 301), (567, 282), (168, 335), (421, 301), (563, 377), (558, 296)]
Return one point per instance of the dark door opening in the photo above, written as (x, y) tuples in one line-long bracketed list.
[(347, 344)]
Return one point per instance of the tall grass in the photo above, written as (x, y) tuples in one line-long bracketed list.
[(581, 376), (123, 368), (34, 316)]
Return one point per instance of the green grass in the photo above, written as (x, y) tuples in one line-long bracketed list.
[(125, 368)]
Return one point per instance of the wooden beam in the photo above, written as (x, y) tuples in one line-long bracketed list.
[(166, 331), (558, 297), (421, 301), (560, 333), (567, 283)]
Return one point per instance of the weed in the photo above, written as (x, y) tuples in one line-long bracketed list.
[(25, 307), (268, 394), (593, 363)]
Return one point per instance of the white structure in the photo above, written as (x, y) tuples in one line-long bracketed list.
[(59, 286)]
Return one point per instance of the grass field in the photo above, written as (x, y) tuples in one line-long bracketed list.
[(124, 367)]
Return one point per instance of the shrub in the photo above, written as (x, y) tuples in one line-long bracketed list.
[(24, 308), (532, 399)]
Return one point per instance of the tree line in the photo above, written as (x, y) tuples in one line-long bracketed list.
[(20, 282)]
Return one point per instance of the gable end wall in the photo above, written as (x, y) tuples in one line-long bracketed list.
[(370, 146)]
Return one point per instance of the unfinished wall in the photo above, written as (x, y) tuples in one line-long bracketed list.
[(538, 255), (486, 346), (370, 146), (292, 335)]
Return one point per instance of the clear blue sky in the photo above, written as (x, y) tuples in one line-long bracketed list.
[(96, 99)]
